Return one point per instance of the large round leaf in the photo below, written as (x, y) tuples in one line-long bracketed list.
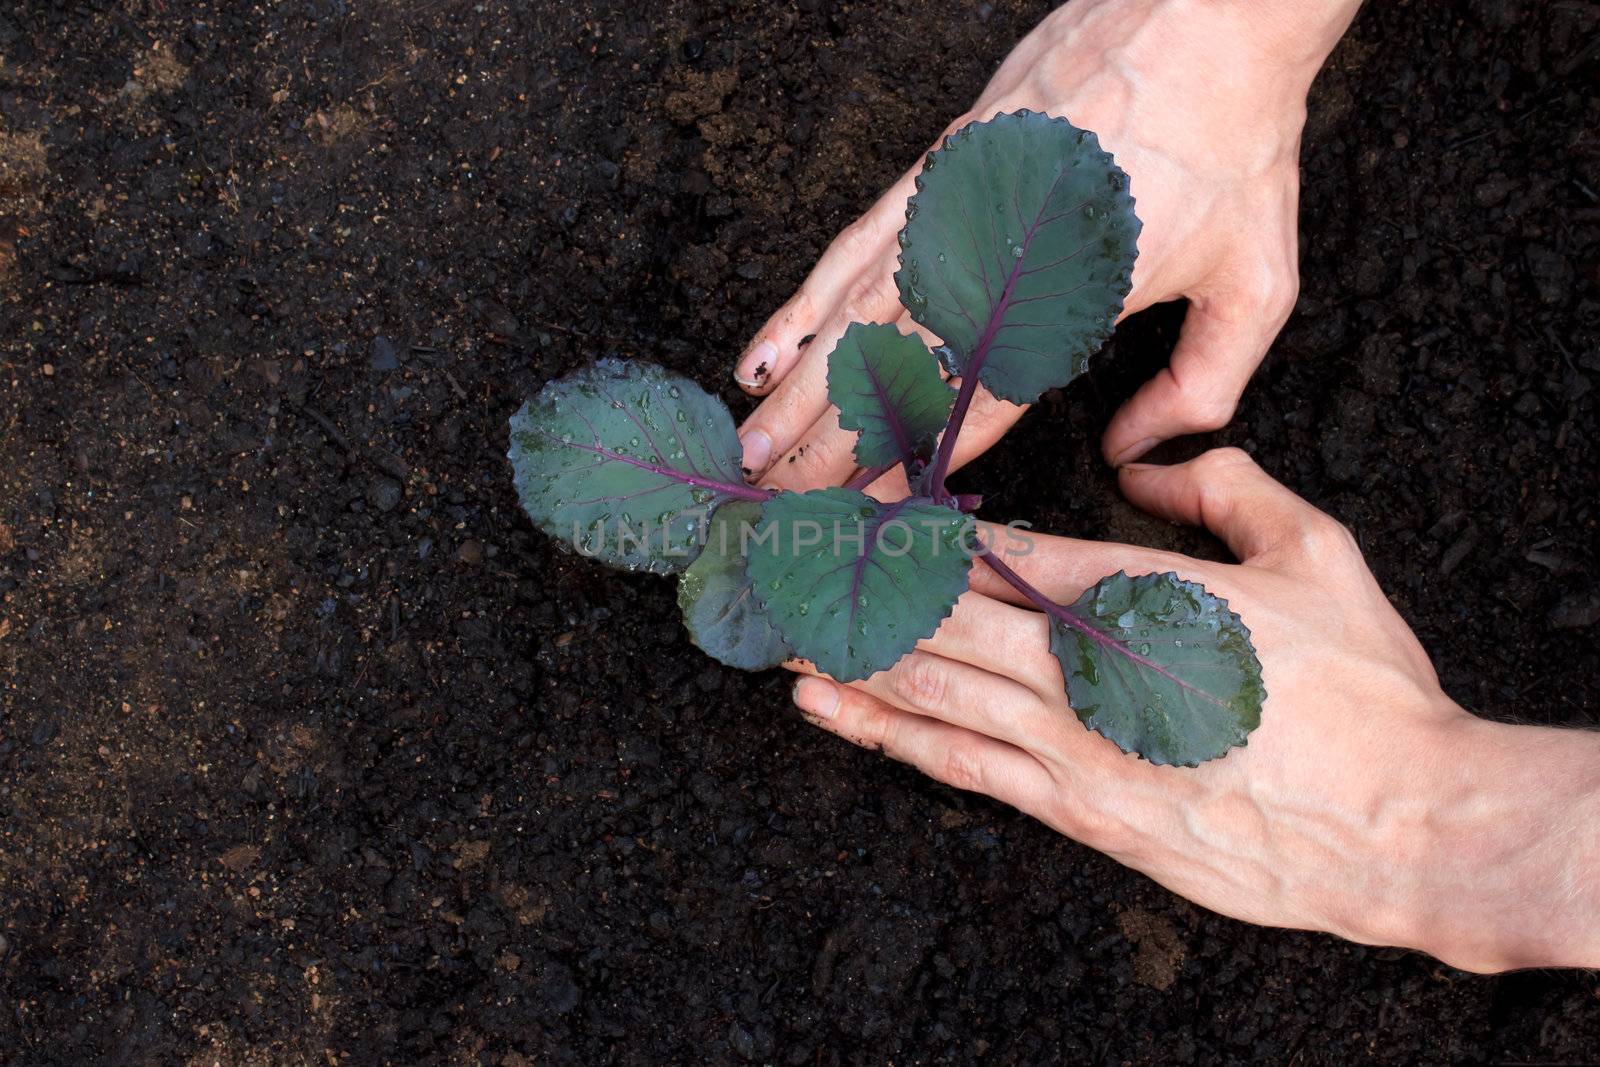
[(853, 584), (1161, 667), (721, 614), (1018, 251), (887, 385), (625, 461)]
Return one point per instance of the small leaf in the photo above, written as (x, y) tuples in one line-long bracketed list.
[(887, 385), (1018, 251), (625, 461), (1161, 667), (721, 614), (853, 584)]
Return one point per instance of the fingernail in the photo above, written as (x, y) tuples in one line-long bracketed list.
[(757, 450), (1139, 467), (755, 366), (1133, 452), (817, 696)]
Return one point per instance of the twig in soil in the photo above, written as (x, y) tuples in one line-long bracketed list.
[(1471, 138), (517, 344), (328, 428)]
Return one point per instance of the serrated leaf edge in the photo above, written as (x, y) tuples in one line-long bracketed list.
[(1093, 341), (1225, 608)]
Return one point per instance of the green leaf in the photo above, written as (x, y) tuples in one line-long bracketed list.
[(722, 615), (853, 584), (887, 385), (1161, 667), (1018, 251), (625, 461)]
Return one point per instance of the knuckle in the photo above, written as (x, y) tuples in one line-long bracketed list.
[(1223, 460), (921, 681), (856, 240), (875, 728), (1205, 406), (963, 768), (867, 297), (1324, 536), (1097, 828), (1211, 410), (815, 462), (1272, 292), (988, 409), (802, 307)]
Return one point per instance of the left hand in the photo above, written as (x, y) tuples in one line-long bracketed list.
[(1202, 105)]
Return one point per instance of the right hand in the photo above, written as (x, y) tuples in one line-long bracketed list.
[(1366, 804), (1202, 105)]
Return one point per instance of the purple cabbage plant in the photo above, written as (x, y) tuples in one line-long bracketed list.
[(1018, 253)]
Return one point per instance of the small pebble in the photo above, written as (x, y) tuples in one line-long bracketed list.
[(1457, 553), (384, 354), (1577, 611), (383, 493)]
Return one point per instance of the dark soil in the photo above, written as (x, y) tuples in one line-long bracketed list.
[(311, 750)]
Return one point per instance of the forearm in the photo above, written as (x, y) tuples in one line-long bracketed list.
[(1515, 866)]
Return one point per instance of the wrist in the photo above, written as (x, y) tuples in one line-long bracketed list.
[(1511, 872), (1299, 34)]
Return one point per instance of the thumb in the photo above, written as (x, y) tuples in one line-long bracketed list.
[(1222, 342), (1225, 491)]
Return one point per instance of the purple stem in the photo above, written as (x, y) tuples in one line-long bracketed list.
[(1042, 602), (860, 482), (1067, 618), (980, 352), (969, 380)]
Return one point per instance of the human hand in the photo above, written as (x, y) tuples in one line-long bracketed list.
[(1366, 804), (1202, 105)]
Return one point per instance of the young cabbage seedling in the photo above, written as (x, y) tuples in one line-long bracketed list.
[(1018, 252)]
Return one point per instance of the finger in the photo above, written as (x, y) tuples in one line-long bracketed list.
[(1227, 493), (865, 246), (949, 754), (1222, 342), (990, 635), (824, 454), (970, 697), (778, 424)]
